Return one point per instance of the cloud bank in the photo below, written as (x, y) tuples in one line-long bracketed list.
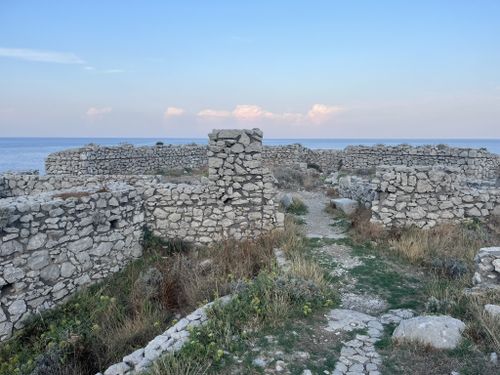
[(318, 113)]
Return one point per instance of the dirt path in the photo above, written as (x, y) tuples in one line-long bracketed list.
[(319, 224), (361, 310)]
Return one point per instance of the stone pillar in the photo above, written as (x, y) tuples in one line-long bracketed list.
[(245, 188)]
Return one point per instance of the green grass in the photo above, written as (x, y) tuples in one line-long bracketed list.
[(266, 304), (97, 326), (297, 207)]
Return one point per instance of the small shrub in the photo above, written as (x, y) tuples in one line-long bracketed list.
[(362, 229), (298, 207), (159, 143), (452, 268), (155, 244), (314, 166)]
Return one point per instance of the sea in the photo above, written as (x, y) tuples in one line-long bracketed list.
[(19, 154)]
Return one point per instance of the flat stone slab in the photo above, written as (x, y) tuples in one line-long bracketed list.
[(347, 320), (440, 332)]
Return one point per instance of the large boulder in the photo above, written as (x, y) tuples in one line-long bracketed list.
[(440, 332), (346, 205)]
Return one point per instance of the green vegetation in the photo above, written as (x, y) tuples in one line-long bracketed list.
[(297, 207)]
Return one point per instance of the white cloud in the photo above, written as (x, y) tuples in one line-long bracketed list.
[(248, 112), (173, 112), (41, 56), (94, 112), (318, 113), (321, 112), (214, 114)]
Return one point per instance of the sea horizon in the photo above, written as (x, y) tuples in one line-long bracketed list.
[(25, 153)]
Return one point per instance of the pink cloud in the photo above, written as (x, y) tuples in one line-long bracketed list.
[(250, 112), (321, 112), (214, 114)]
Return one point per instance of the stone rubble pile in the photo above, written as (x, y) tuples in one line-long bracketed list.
[(487, 275)]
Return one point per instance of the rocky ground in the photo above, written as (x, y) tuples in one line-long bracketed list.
[(376, 295)]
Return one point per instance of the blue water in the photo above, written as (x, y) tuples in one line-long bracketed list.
[(30, 153)]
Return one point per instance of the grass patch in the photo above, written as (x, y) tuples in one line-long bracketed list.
[(298, 207), (267, 303), (106, 321)]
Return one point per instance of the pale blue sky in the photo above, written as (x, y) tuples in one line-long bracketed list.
[(293, 68)]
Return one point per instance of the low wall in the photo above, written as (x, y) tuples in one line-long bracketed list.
[(16, 184), (426, 195), (50, 246), (126, 159), (476, 163)]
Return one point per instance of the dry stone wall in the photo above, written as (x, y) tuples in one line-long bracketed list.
[(17, 184), (426, 195), (49, 246), (54, 241), (237, 202), (126, 159), (476, 163)]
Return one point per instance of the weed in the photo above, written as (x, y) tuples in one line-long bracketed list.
[(298, 207)]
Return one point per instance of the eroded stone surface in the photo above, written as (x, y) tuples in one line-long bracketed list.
[(440, 332)]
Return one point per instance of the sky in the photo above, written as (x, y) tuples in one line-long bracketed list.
[(295, 69)]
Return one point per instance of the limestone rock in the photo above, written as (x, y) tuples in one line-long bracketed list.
[(493, 310), (346, 205), (286, 200), (440, 332)]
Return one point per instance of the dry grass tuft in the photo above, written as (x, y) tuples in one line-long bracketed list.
[(362, 229), (446, 241), (197, 276), (332, 193), (294, 179)]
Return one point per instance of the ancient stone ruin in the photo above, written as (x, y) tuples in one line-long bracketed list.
[(61, 232)]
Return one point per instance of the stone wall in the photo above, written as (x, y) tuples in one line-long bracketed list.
[(54, 241), (17, 184), (358, 188), (125, 159), (50, 246), (426, 195), (237, 202), (476, 163)]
